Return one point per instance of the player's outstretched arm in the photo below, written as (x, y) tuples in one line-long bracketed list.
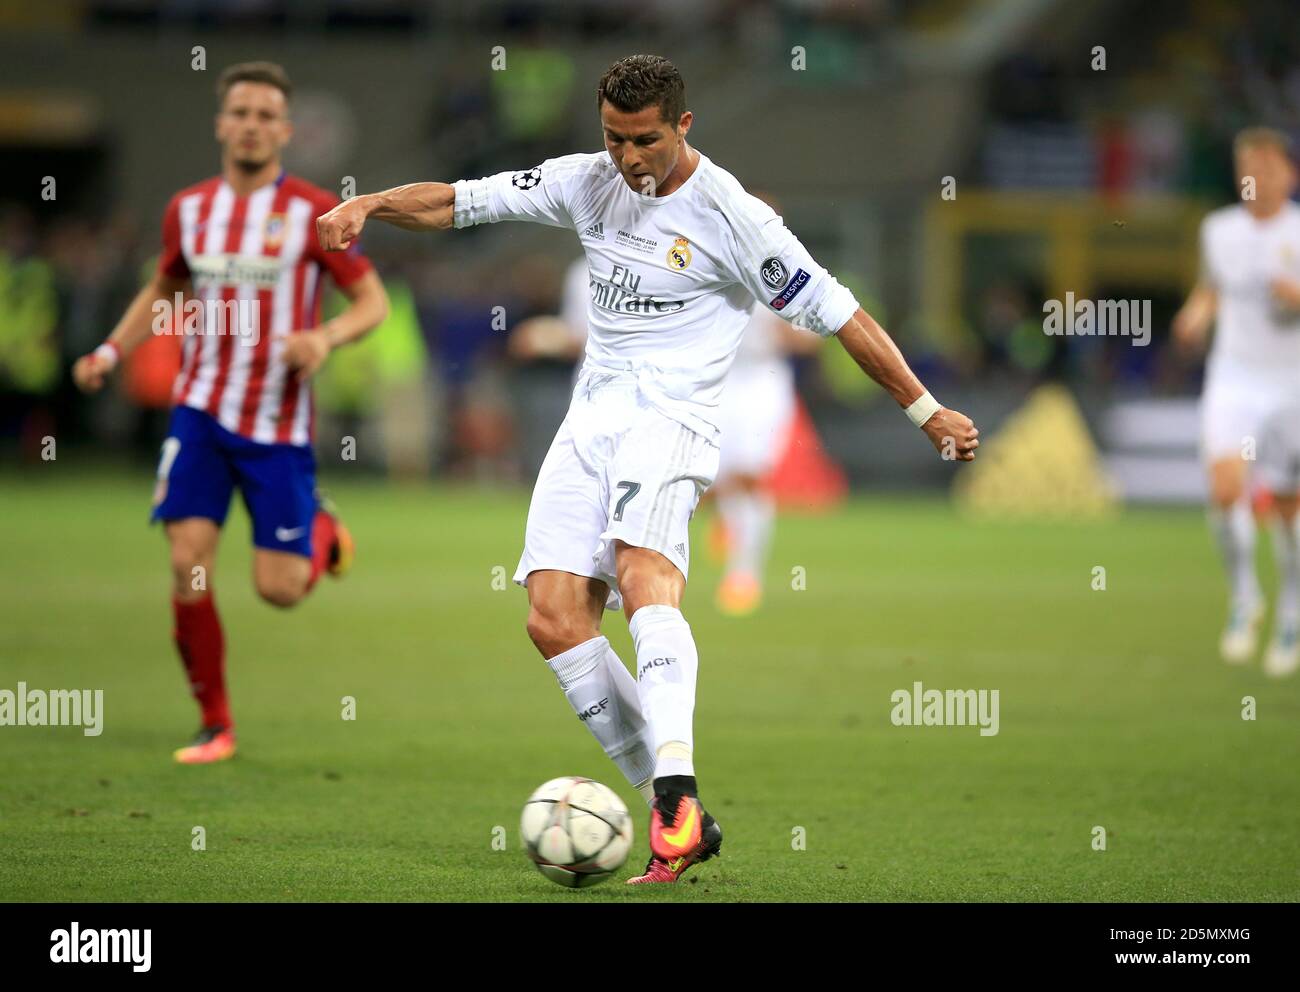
[(1191, 324), (953, 434), (90, 371), (543, 337), (415, 207)]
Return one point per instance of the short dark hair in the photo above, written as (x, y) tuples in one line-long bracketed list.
[(270, 73), (641, 81)]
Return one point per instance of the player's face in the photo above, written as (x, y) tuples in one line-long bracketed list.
[(253, 124), (642, 144), (1273, 173)]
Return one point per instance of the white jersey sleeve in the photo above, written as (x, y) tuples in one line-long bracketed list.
[(544, 194), (772, 264)]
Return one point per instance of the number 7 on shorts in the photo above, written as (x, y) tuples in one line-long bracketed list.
[(632, 489)]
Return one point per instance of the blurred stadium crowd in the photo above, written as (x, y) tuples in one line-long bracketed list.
[(435, 388)]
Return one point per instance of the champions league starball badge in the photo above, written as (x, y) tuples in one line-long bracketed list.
[(526, 180)]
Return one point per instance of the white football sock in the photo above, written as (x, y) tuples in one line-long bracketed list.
[(748, 517), (667, 667), (604, 695), (1286, 539), (1235, 530)]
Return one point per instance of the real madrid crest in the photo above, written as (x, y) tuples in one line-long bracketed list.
[(679, 255), (273, 230)]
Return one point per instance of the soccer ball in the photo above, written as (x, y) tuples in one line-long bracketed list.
[(578, 832)]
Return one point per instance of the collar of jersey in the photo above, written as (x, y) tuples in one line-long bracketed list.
[(274, 182)]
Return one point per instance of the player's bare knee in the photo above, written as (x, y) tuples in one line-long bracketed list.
[(646, 578), (1224, 493), (1227, 482), (545, 631), (283, 591), (183, 565), (554, 634), (190, 569), (279, 594)]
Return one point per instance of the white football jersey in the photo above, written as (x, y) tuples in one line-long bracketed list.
[(1254, 336), (761, 342), (671, 279)]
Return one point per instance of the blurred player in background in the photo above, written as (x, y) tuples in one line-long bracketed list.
[(756, 415), (563, 337), (1250, 290), (1278, 469), (243, 242), (754, 419), (677, 252)]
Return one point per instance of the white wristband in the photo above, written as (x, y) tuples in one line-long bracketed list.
[(108, 354), (925, 407)]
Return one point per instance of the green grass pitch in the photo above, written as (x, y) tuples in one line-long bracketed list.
[(1114, 712)]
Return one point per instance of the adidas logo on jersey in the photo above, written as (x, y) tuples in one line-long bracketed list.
[(596, 231)]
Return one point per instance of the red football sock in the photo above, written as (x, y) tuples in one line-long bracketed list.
[(202, 646), (323, 533)]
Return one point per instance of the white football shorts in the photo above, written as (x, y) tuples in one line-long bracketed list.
[(1278, 467), (618, 470), (1234, 409)]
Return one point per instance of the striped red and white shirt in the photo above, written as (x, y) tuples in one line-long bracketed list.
[(258, 248)]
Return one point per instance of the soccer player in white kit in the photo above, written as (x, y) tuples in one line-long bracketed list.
[(1250, 290), (677, 252), (754, 418)]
